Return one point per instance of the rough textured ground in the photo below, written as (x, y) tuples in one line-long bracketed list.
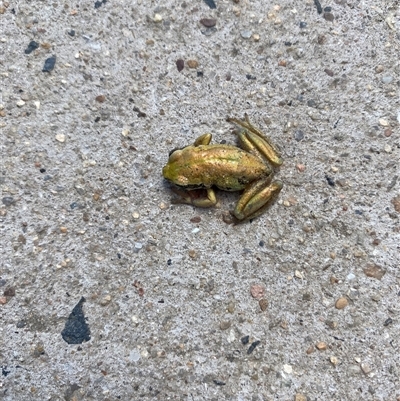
[(171, 291)]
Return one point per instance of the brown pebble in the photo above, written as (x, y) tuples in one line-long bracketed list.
[(46, 45), (192, 63), (96, 196), (192, 254), (333, 280), (63, 230), (3, 300), (341, 303), (180, 64), (263, 304), (208, 22), (195, 219), (376, 241), (310, 350), (388, 132), (374, 271), (329, 17), (321, 39), (300, 397), (100, 98), (225, 324), (257, 291), (379, 69), (329, 72), (322, 346), (396, 203), (282, 63)]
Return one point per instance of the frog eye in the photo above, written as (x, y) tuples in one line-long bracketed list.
[(173, 150)]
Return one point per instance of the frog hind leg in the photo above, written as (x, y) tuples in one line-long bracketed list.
[(195, 197), (256, 198), (253, 140)]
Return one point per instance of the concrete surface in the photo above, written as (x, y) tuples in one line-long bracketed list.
[(171, 291)]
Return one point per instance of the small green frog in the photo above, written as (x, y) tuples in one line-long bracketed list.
[(196, 168)]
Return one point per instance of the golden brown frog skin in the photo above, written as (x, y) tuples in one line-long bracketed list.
[(227, 167)]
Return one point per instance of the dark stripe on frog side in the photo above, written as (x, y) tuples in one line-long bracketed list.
[(190, 187)]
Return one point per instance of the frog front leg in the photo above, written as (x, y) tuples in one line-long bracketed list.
[(256, 198), (195, 197)]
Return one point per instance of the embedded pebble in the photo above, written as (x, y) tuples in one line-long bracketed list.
[(100, 98), (257, 291), (341, 303), (299, 135), (180, 64), (208, 22), (192, 63), (157, 18), (63, 230), (351, 276), (225, 324), (134, 355), (20, 103), (379, 69), (263, 304), (396, 203), (334, 360), (288, 369), (106, 300), (60, 138), (329, 17), (388, 148), (387, 79), (383, 122), (246, 34), (49, 64), (322, 346), (300, 397), (31, 47), (374, 271), (8, 200), (365, 368)]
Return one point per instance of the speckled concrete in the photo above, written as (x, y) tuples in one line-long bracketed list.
[(85, 211)]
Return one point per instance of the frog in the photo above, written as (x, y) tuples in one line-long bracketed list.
[(197, 169)]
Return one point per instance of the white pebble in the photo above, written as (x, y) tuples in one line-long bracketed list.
[(351, 276), (20, 103), (134, 355), (60, 138), (288, 369), (388, 149), (157, 18)]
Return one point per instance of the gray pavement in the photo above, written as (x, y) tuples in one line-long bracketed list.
[(303, 303)]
